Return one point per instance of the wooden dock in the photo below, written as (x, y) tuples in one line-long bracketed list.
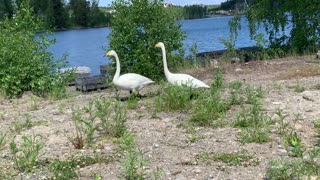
[(91, 83)]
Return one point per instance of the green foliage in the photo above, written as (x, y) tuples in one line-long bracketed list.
[(274, 16), (64, 170), (69, 169), (297, 88), (133, 167), (236, 91), (25, 63), (254, 122), (210, 107), (60, 14), (6, 9), (132, 102), (137, 26), (317, 124), (290, 138), (195, 11), (234, 27), (26, 156), (294, 142), (209, 110), (174, 98), (19, 126), (85, 129), (218, 81), (113, 117), (97, 17), (296, 169)]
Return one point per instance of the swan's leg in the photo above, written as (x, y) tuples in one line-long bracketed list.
[(117, 93)]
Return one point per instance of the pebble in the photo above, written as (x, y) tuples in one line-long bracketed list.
[(197, 171), (156, 145), (180, 177), (283, 151)]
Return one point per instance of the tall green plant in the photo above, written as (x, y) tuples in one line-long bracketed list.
[(25, 63), (136, 27)]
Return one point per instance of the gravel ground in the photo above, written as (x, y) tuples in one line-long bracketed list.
[(159, 136)]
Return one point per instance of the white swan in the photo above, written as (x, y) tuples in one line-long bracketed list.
[(130, 81), (179, 79)]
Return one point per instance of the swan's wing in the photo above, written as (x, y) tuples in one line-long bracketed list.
[(134, 81), (188, 80)]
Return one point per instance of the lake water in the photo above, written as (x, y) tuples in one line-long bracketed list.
[(86, 47)]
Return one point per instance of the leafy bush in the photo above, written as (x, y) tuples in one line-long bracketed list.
[(136, 27), (24, 62)]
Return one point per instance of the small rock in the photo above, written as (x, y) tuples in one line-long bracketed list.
[(298, 127), (283, 151), (156, 145), (238, 70), (197, 171), (276, 103), (180, 177)]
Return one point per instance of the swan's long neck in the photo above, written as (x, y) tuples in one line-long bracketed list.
[(164, 59), (117, 74)]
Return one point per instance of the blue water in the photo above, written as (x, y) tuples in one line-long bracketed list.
[(86, 47)]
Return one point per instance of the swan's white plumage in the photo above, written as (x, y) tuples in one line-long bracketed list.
[(179, 79), (131, 81)]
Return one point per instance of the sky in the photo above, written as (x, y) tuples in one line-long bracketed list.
[(175, 2)]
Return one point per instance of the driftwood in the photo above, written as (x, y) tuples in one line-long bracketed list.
[(91, 83)]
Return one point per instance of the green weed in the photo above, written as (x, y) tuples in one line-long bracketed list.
[(209, 111), (113, 117), (253, 95), (254, 134), (231, 159), (252, 117), (236, 91), (132, 102), (296, 169), (210, 108), (174, 98), (78, 138), (34, 104), (297, 88), (64, 170), (69, 169), (290, 138), (218, 81), (2, 140), (134, 166), (293, 143), (283, 125), (255, 124), (317, 124), (19, 126), (26, 157)]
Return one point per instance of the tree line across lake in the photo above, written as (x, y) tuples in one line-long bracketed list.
[(57, 14), (60, 14)]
